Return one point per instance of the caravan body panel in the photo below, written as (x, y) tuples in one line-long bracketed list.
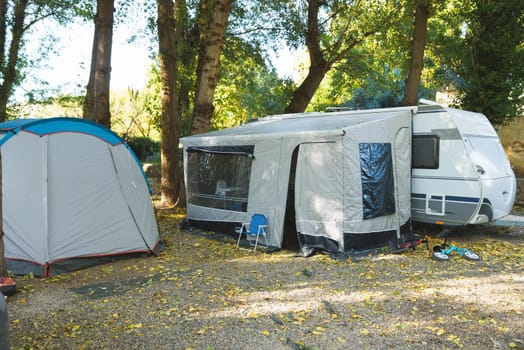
[(497, 179), (469, 181)]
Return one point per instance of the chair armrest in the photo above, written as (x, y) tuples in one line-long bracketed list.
[(262, 228), (242, 228)]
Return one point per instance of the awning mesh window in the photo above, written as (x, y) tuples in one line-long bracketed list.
[(218, 177), (378, 191)]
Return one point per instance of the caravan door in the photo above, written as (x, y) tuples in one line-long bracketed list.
[(318, 196), (496, 177)]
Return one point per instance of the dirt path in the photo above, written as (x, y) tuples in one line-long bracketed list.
[(204, 293)]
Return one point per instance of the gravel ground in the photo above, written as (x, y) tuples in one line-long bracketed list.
[(204, 293)]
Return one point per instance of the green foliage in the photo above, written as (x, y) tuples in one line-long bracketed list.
[(476, 47), (492, 64), (473, 46), (133, 115), (144, 147), (66, 105), (38, 17), (152, 103), (248, 88)]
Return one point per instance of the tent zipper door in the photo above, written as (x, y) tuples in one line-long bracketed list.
[(319, 192)]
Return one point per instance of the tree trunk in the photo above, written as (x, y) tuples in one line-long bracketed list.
[(186, 43), (96, 105), (417, 54), (8, 70), (3, 32), (318, 64), (209, 65), (304, 93), (170, 181)]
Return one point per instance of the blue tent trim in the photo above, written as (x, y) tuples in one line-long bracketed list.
[(55, 125), (61, 124)]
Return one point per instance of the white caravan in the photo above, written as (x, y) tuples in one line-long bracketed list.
[(313, 175), (460, 173)]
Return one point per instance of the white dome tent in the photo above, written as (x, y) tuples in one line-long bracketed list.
[(74, 195)]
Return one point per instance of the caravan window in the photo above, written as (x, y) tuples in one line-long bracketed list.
[(218, 176), (378, 188), (425, 152)]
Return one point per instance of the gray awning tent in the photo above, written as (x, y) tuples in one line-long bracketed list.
[(74, 194), (337, 181)]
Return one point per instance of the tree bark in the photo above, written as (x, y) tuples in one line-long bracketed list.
[(318, 65), (96, 105), (3, 32), (209, 65), (186, 40), (417, 54), (170, 181), (304, 93), (8, 67)]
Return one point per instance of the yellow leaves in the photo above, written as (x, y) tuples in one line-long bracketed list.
[(134, 325), (85, 345), (437, 330), (71, 330), (487, 321), (401, 325), (319, 330), (368, 275), (108, 269), (330, 309), (354, 315), (296, 344), (364, 331), (455, 340), (196, 283), (205, 330), (298, 320), (168, 312), (516, 343)]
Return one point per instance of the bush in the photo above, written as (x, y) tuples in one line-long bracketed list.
[(143, 147)]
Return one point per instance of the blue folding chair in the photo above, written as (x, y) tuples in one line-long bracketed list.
[(253, 230)]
